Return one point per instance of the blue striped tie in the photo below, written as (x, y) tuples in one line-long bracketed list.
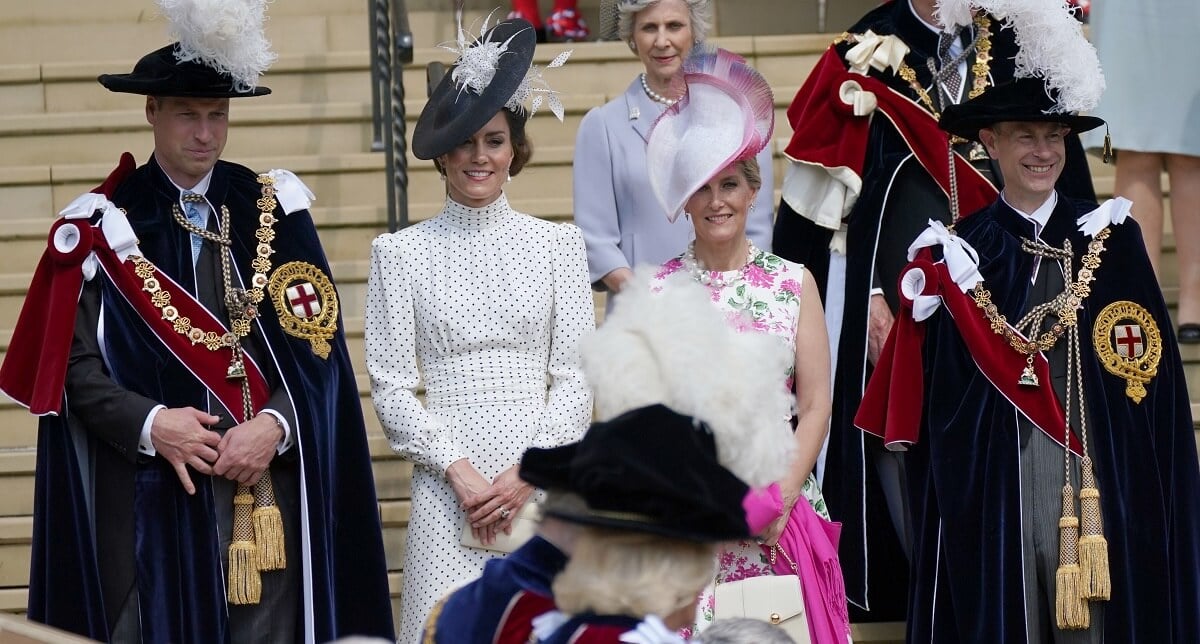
[(196, 218)]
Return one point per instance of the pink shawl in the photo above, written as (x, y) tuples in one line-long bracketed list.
[(812, 543)]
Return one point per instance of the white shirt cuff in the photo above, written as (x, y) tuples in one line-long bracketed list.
[(145, 445), (876, 291), (286, 442)]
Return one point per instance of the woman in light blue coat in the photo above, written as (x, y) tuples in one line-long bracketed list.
[(623, 225)]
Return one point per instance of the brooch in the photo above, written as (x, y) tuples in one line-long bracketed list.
[(1129, 345), (307, 304)]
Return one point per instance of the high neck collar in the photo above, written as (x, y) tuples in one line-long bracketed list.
[(469, 218)]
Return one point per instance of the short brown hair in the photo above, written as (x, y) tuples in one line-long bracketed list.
[(522, 145)]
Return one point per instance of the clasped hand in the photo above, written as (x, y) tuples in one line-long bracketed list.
[(490, 507), (245, 451)]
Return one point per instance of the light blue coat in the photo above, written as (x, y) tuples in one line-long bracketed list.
[(622, 223)]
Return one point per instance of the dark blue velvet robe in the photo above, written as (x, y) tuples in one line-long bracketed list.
[(475, 612), (174, 546), (898, 197), (964, 487), (593, 629)]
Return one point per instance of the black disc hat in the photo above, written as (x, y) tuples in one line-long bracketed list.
[(648, 470), (1024, 99), (162, 73), (466, 99)]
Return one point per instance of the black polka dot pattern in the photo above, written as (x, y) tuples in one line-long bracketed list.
[(487, 307)]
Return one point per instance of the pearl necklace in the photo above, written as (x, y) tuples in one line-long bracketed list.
[(715, 279), (655, 96)]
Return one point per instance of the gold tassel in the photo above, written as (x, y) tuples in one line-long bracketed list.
[(1093, 547), (1071, 609), (268, 536), (1108, 155), (245, 584), (268, 526)]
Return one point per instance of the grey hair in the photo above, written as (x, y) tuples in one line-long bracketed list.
[(700, 12), (742, 630)]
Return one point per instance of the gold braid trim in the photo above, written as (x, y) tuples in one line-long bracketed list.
[(239, 324), (979, 70)]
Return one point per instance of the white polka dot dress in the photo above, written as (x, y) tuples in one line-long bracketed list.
[(487, 306)]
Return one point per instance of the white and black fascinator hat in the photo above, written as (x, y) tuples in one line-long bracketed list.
[(492, 72), (221, 52)]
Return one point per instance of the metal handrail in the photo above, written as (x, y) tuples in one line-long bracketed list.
[(392, 49)]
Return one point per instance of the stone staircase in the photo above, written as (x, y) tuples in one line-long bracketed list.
[(61, 133)]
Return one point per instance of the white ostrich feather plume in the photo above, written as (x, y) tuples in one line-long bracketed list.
[(226, 35), (675, 348), (478, 57), (1050, 45)]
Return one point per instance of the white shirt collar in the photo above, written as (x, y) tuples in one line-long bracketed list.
[(1040, 216), (932, 27), (201, 187)]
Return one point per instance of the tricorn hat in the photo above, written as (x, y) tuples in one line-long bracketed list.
[(649, 470), (221, 52), (1022, 99)]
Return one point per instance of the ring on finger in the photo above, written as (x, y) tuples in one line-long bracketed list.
[(505, 512)]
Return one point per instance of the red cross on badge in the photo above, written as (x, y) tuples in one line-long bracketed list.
[(1130, 343), (303, 299)]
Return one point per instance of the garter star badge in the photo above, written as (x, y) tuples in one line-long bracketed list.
[(1129, 345), (307, 304)]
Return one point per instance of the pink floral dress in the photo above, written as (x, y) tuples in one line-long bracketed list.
[(761, 297)]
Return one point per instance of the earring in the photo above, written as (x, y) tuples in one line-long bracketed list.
[(687, 215), (752, 205), (509, 177), (441, 176)]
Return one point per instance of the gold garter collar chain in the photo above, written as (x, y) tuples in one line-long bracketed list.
[(1065, 306), (979, 70)]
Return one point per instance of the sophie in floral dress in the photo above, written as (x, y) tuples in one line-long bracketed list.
[(761, 297)]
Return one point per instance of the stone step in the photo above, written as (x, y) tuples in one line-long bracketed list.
[(258, 130), (432, 20), (344, 76), (136, 11), (129, 40)]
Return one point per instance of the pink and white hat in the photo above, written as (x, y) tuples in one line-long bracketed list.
[(726, 115)]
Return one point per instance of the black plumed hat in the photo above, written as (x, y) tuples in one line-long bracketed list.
[(648, 470), (1023, 99), (161, 73), (466, 99)]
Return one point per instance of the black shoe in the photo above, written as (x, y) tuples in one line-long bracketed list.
[(1189, 333)]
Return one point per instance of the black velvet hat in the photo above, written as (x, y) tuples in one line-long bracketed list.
[(460, 106), (648, 470), (160, 73), (1023, 99)]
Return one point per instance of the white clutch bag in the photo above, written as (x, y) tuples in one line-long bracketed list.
[(523, 527), (775, 599)]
